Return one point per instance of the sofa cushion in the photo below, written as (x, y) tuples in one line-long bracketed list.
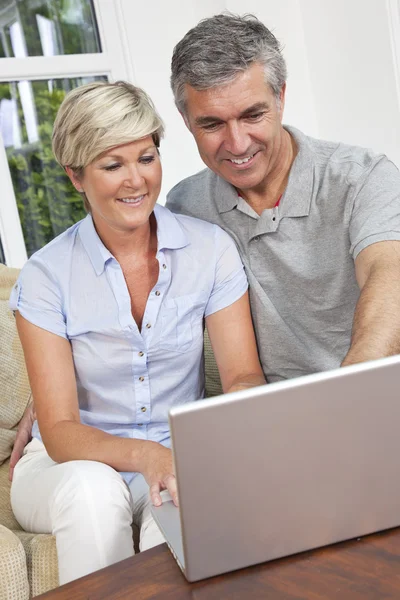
[(41, 559), (6, 514), (213, 382), (13, 572), (14, 384)]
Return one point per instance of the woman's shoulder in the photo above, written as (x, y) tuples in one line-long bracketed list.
[(57, 247), (52, 257)]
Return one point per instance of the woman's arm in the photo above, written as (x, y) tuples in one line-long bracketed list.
[(51, 374), (234, 344)]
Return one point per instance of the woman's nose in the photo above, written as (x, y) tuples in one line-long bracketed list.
[(134, 179)]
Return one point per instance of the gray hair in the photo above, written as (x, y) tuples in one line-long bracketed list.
[(221, 47), (98, 116)]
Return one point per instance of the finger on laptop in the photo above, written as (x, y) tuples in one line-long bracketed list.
[(155, 494), (170, 484)]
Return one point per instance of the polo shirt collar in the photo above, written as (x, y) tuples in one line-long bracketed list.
[(296, 199), (226, 196), (170, 235)]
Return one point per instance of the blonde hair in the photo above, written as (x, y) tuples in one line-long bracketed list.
[(98, 116)]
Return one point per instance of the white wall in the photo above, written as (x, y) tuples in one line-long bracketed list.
[(353, 72), (341, 83)]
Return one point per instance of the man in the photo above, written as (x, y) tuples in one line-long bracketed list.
[(317, 223)]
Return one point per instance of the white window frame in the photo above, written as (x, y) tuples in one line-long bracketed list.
[(114, 61), (393, 12)]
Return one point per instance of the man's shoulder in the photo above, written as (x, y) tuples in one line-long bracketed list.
[(344, 159), (193, 182), (193, 195)]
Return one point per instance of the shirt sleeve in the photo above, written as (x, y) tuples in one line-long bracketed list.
[(230, 281), (37, 297), (375, 214)]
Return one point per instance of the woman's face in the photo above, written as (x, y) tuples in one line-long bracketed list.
[(122, 185)]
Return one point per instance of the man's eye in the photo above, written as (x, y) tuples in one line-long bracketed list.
[(113, 167), (211, 126), (255, 116)]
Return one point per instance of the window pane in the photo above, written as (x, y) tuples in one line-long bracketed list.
[(2, 46), (48, 27), (47, 201)]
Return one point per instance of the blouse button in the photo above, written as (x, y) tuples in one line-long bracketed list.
[(148, 326), (141, 378), (164, 266), (140, 354), (143, 409), (157, 293)]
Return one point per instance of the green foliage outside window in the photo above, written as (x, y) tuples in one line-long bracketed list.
[(47, 201)]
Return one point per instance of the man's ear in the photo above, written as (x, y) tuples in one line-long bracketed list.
[(74, 179)]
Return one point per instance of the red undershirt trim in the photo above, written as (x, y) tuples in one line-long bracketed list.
[(277, 203)]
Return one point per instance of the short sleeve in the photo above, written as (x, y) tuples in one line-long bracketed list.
[(375, 214), (37, 297), (230, 281)]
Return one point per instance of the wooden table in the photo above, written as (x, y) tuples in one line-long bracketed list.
[(363, 569)]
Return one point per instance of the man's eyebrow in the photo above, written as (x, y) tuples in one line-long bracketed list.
[(210, 119)]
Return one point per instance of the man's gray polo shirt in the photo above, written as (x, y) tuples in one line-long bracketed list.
[(299, 256)]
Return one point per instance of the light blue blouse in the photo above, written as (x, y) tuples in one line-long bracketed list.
[(127, 380)]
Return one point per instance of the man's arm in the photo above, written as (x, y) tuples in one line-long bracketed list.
[(376, 324)]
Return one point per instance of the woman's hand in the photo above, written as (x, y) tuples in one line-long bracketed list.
[(24, 435), (158, 471)]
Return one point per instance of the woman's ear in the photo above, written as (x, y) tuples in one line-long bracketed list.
[(74, 179)]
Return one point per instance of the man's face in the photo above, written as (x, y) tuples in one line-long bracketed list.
[(237, 128)]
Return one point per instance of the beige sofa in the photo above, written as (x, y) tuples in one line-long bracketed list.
[(28, 561)]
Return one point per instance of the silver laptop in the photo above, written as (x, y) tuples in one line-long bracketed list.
[(286, 467)]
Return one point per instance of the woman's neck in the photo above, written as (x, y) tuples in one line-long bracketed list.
[(139, 243)]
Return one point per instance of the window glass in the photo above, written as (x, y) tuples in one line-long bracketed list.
[(47, 28), (47, 202)]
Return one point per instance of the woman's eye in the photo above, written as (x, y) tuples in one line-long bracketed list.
[(113, 167), (146, 160)]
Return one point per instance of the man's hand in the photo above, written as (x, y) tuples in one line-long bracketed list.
[(158, 472), (24, 435)]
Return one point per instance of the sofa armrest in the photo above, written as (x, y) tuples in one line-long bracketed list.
[(13, 572)]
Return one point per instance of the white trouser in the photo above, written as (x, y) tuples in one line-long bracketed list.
[(86, 505)]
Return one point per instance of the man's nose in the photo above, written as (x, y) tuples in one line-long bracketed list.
[(237, 140)]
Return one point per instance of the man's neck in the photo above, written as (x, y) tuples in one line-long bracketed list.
[(269, 192)]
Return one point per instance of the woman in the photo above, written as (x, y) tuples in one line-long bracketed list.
[(110, 316)]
